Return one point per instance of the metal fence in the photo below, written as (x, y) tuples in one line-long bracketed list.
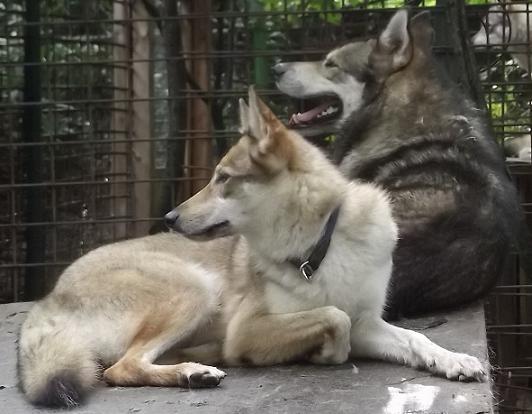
[(113, 111), (504, 58)]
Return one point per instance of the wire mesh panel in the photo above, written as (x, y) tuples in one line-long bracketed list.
[(57, 128), (502, 44), (113, 111), (501, 37)]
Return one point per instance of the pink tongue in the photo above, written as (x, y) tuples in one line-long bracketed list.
[(309, 115)]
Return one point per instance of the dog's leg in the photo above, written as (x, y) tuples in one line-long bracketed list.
[(137, 368), (209, 353), (321, 335), (372, 337)]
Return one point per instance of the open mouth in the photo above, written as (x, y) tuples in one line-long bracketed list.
[(318, 110)]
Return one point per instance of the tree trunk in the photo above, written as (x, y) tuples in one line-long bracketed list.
[(199, 147), (119, 121), (141, 122)]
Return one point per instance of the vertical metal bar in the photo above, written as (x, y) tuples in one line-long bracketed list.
[(13, 273), (528, 12), (52, 114), (175, 69), (14, 238), (34, 160), (90, 234)]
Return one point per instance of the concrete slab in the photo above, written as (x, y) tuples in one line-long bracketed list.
[(365, 387)]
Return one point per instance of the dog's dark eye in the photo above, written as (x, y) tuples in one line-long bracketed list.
[(222, 178), (330, 64)]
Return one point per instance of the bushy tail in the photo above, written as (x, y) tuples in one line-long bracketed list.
[(56, 369), (61, 389)]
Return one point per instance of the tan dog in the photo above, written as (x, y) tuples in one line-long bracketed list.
[(233, 300)]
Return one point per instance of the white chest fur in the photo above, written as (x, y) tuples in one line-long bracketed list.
[(352, 278)]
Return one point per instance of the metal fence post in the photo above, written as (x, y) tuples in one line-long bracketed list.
[(34, 280)]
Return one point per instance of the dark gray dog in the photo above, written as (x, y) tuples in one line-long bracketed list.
[(400, 123)]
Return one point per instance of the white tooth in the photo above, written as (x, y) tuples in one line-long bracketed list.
[(294, 120)]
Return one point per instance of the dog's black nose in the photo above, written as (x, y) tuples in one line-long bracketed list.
[(170, 219), (279, 69)]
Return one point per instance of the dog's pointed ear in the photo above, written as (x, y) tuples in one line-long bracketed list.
[(422, 31), (244, 117), (395, 41), (263, 124), (257, 126), (272, 148)]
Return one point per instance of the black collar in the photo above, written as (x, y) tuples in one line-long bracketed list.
[(308, 266)]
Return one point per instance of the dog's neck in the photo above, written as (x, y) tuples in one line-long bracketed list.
[(310, 263), (292, 229), (410, 103)]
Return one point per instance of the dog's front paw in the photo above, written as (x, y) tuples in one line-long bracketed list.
[(461, 367), (202, 376), (337, 344)]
